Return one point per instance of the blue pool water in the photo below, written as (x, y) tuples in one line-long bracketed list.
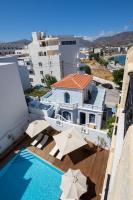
[(27, 177), (121, 59)]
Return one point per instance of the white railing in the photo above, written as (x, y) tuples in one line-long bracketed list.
[(92, 107), (52, 47), (47, 94), (60, 117), (93, 135), (68, 105)]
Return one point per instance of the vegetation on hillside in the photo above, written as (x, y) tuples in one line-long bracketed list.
[(98, 58)]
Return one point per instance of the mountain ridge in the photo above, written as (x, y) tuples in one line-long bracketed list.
[(119, 39)]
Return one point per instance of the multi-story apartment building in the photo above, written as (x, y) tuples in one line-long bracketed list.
[(54, 55), (13, 109), (118, 183), (77, 100)]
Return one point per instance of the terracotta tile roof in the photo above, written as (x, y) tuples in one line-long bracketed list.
[(74, 81)]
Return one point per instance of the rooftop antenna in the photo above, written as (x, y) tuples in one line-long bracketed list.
[(46, 32)]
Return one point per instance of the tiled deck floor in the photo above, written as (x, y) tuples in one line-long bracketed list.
[(92, 164)]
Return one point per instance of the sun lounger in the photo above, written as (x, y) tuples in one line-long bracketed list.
[(59, 156), (39, 137), (43, 142), (54, 151)]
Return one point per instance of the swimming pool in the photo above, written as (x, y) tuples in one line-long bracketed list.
[(27, 177)]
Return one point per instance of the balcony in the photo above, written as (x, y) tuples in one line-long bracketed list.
[(52, 47)]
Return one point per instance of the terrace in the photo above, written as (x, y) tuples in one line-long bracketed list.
[(90, 160), (94, 103)]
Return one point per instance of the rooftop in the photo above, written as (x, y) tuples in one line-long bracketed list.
[(90, 161), (74, 81)]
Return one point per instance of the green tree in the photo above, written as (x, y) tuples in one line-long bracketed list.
[(98, 58), (49, 80), (86, 69), (118, 77), (109, 125)]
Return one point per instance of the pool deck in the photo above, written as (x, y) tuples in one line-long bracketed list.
[(90, 161)]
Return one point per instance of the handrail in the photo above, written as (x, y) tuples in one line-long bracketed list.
[(60, 117), (69, 105), (93, 106)]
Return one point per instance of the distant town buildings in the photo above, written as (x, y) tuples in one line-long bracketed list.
[(10, 48)]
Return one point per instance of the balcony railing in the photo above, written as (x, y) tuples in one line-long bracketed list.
[(93, 107), (68, 105)]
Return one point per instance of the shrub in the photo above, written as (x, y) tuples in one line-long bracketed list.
[(49, 80), (86, 69)]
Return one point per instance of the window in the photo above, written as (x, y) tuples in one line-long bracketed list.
[(42, 80), (40, 53), (67, 115), (31, 79), (68, 42), (43, 44), (67, 97), (28, 63), (41, 72), (31, 72), (45, 54), (40, 64), (92, 118)]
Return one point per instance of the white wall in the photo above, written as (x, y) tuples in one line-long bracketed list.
[(23, 71), (88, 133), (13, 108), (76, 96)]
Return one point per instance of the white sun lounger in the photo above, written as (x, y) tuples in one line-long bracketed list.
[(59, 156), (39, 137), (54, 150), (43, 142)]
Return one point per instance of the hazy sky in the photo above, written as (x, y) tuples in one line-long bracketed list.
[(18, 18)]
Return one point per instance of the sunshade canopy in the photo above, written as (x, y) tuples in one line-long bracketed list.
[(73, 184), (68, 141), (36, 127)]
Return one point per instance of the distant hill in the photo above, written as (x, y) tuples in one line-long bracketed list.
[(18, 43), (124, 38)]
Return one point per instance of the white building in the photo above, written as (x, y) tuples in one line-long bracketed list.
[(23, 71), (22, 52), (97, 50), (54, 55), (13, 108), (76, 99)]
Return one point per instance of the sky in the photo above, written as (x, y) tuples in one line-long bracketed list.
[(89, 18)]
